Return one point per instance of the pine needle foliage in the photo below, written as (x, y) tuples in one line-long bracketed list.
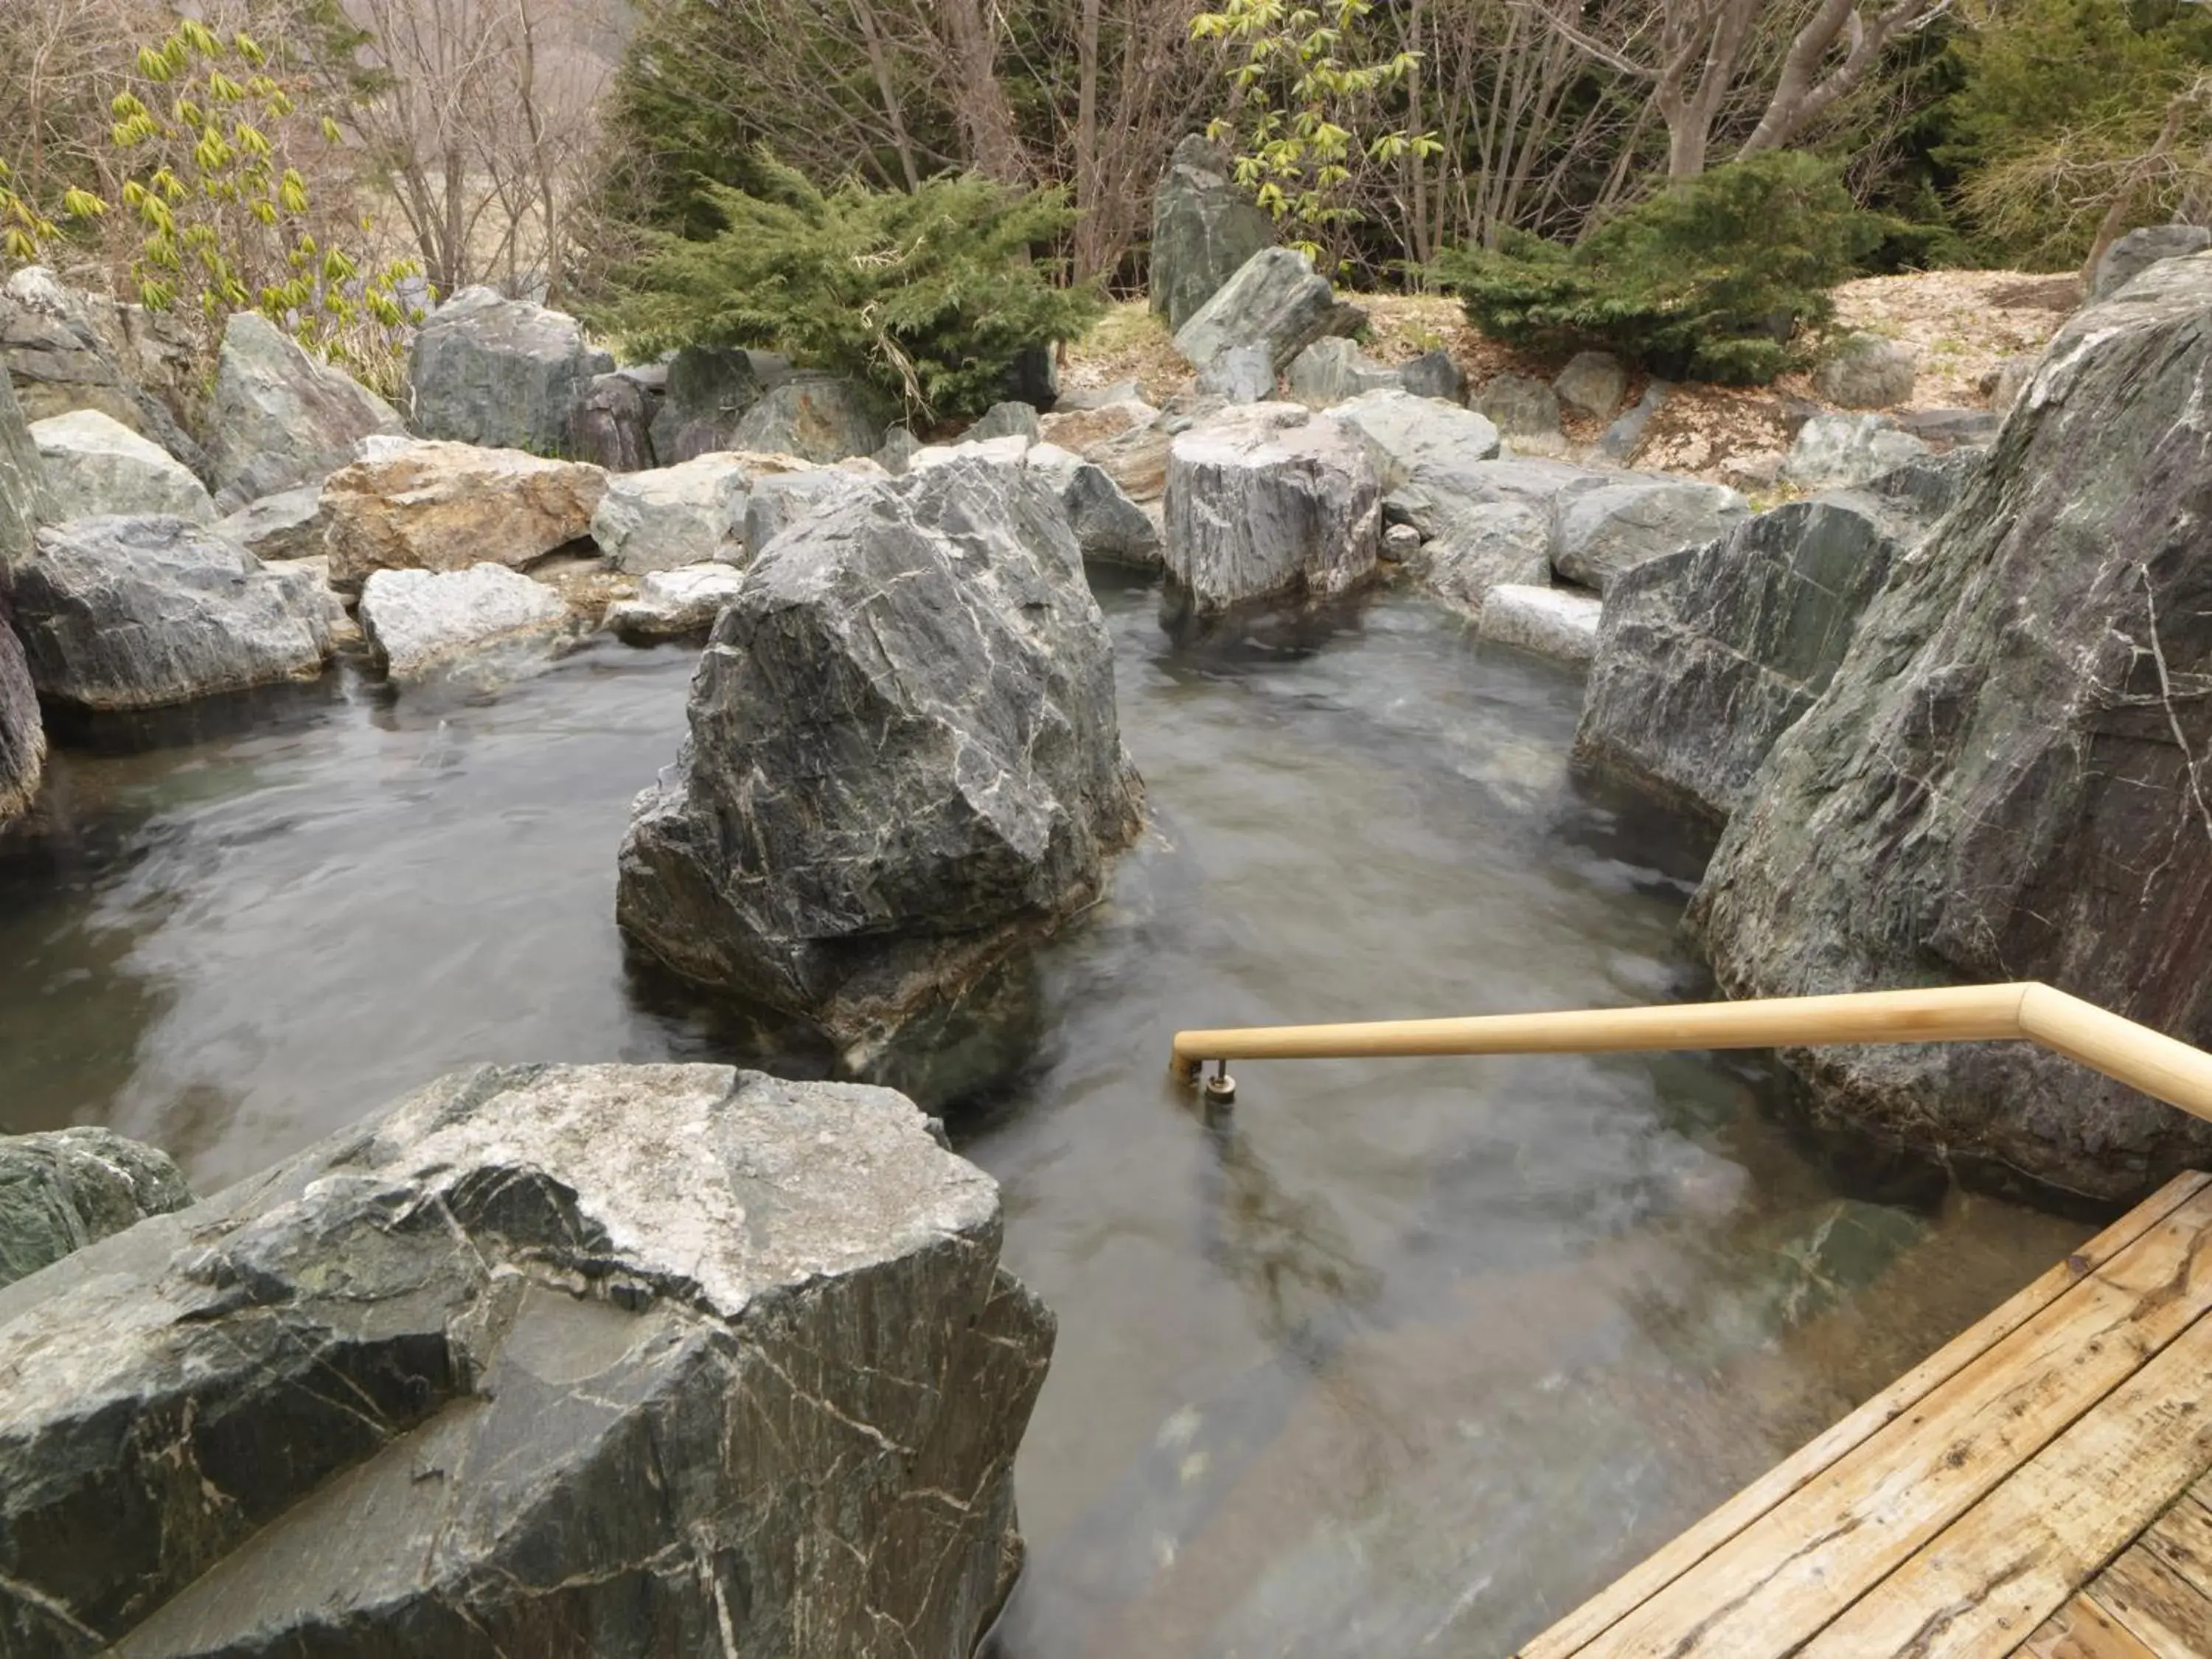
[(927, 296), (1716, 278)]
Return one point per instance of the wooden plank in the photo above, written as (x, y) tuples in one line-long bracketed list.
[(2182, 1538), (2082, 1629), (2163, 1610), (2014, 1560), (1775, 1585), (1689, 1548)]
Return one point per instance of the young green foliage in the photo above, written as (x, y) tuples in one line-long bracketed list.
[(927, 296), (1710, 279), (201, 157), (1305, 115)]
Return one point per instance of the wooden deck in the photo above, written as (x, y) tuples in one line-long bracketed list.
[(2043, 1485)]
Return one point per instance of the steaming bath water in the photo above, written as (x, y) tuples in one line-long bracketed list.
[(1401, 1357)]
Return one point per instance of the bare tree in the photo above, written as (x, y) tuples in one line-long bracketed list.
[(1700, 59)]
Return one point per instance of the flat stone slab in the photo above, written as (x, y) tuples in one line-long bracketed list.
[(1552, 621)]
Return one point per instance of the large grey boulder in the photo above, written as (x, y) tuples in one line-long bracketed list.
[(624, 1361), (815, 417), (1242, 375), (1270, 500), (1605, 531), (279, 418), (425, 506), (22, 729), (675, 515), (421, 622), (707, 391), (1839, 452), (123, 613), (1205, 227), (2131, 255), (501, 373), (2003, 780), (670, 603), (94, 464), (67, 350), (1868, 371), (1275, 300), (779, 500), (65, 1189), (1707, 655), (288, 525), (23, 503), (904, 760)]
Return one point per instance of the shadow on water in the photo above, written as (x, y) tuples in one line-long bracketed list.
[(1400, 1356)]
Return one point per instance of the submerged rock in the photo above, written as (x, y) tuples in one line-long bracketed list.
[(1205, 227), (2002, 780), (1275, 300), (280, 418), (447, 506), (1707, 655), (903, 759), (628, 1361), (419, 622), (22, 729), (66, 1188), (501, 373), (670, 603), (1266, 500), (95, 464), (123, 613)]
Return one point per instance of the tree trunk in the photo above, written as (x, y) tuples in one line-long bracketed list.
[(987, 120)]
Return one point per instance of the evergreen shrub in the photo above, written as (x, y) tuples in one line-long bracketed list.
[(1716, 278), (928, 296)]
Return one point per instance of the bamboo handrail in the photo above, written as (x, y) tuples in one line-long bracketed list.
[(2157, 1065)]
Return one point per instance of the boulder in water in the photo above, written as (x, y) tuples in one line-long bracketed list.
[(125, 613), (95, 464), (1205, 227), (23, 500), (2131, 255), (408, 506), (2004, 778), (280, 418), (1557, 623), (624, 1361), (903, 760), (1611, 527), (500, 373), (65, 1189), (1707, 655), (1268, 500), (22, 729), (1275, 300), (420, 622)]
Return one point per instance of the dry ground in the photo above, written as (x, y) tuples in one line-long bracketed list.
[(1961, 324)]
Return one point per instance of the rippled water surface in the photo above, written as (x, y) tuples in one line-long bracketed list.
[(1399, 1357)]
